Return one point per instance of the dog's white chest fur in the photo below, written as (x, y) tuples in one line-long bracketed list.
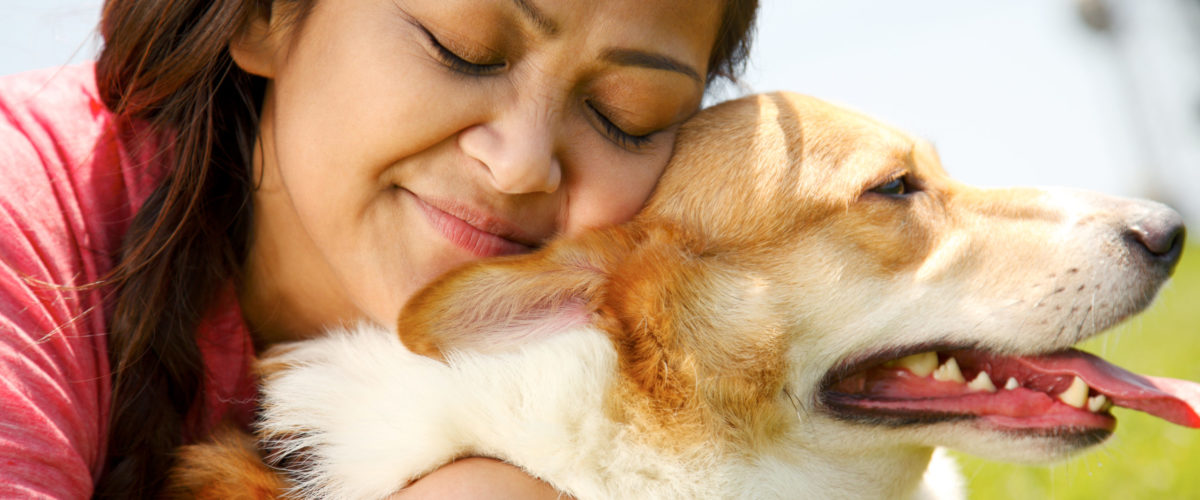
[(371, 417)]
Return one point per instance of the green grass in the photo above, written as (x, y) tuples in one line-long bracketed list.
[(1146, 457)]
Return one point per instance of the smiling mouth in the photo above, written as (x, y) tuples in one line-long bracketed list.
[(1063, 394), (469, 236)]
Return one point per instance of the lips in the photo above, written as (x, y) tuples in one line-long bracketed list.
[(476, 232)]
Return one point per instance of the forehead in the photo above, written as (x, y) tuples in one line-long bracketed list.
[(768, 162), (678, 28), (782, 141), (841, 146)]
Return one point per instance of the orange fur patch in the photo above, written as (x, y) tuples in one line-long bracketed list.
[(226, 467)]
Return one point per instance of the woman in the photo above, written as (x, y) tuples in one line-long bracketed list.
[(246, 172)]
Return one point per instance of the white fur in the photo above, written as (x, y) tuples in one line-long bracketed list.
[(381, 416), (377, 417)]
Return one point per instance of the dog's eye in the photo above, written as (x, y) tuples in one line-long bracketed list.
[(894, 187)]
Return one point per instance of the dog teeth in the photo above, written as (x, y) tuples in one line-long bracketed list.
[(1098, 403), (982, 382), (1076, 395), (949, 372), (920, 365), (1011, 384)]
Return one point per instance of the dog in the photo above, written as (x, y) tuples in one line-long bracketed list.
[(808, 307)]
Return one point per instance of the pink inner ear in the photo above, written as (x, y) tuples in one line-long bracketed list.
[(530, 325)]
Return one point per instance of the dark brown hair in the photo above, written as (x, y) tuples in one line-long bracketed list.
[(165, 65)]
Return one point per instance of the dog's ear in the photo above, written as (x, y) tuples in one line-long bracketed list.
[(696, 333), (495, 305)]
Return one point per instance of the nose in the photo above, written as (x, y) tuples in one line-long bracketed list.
[(516, 146), (1159, 237)]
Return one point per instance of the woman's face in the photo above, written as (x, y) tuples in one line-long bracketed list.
[(402, 138)]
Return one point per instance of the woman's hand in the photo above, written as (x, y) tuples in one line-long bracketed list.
[(479, 478)]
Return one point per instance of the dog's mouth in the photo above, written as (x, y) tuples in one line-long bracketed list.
[(1066, 393)]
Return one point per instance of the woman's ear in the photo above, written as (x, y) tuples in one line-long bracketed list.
[(259, 44)]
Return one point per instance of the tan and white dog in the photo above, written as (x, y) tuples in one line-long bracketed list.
[(807, 308)]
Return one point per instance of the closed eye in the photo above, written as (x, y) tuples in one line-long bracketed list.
[(616, 134), (459, 63)]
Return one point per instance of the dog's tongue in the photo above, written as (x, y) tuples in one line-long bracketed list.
[(1177, 401)]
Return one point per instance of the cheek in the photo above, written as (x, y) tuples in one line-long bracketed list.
[(358, 88), (894, 237), (608, 186)]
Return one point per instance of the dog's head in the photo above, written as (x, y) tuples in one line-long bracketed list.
[(806, 276), (848, 254)]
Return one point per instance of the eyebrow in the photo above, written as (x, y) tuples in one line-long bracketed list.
[(536, 16), (641, 59)]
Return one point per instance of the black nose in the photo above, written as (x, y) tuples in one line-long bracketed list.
[(1160, 238)]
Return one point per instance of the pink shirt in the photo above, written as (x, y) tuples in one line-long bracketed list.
[(68, 188)]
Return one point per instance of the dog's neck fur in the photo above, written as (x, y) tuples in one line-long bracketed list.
[(562, 426), (708, 468)]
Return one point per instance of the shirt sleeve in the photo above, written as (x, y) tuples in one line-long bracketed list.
[(70, 183), (53, 375), (59, 180)]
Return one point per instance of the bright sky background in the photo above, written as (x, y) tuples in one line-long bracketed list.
[(1012, 92)]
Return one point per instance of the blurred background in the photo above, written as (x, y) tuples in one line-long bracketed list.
[(1099, 94), (1096, 94)]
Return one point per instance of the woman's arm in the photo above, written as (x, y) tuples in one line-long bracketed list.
[(63, 199), (479, 478), (53, 367), (51, 401)]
